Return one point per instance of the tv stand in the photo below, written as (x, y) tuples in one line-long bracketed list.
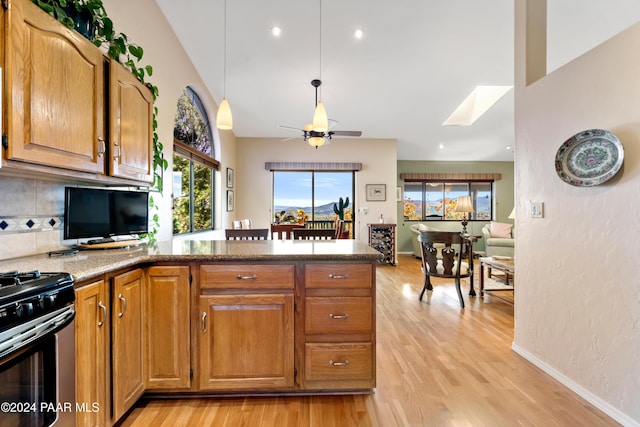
[(109, 243)]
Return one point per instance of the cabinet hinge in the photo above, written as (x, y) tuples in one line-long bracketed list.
[(5, 4), (190, 278), (295, 373), (191, 373), (5, 141)]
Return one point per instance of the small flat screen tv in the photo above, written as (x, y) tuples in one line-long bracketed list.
[(92, 212)]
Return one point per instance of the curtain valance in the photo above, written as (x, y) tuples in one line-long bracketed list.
[(315, 166), (422, 176)]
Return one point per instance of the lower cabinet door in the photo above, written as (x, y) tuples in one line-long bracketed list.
[(91, 328), (127, 341), (246, 342)]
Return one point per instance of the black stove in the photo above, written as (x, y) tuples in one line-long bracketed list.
[(28, 295)]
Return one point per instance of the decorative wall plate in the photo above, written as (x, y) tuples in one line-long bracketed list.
[(589, 158)]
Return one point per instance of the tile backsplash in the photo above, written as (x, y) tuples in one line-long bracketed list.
[(31, 213)]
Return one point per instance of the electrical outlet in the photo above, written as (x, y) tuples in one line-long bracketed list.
[(537, 210)]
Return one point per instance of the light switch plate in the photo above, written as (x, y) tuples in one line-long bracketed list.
[(537, 210)]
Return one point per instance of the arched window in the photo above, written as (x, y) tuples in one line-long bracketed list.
[(193, 166)]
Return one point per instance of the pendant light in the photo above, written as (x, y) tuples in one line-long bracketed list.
[(320, 120), (224, 120)]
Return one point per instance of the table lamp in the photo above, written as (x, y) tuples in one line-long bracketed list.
[(465, 206)]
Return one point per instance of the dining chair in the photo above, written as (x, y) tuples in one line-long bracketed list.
[(446, 260), (237, 225), (247, 234), (284, 231), (314, 234)]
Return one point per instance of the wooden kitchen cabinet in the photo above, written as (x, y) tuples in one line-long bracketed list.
[(339, 327), (55, 93), (167, 328), (130, 126), (127, 338), (245, 327), (56, 103), (92, 340)]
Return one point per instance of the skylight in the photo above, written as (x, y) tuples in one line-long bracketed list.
[(476, 104)]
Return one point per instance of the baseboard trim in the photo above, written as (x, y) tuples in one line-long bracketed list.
[(604, 406)]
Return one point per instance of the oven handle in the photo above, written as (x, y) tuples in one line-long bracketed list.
[(36, 329)]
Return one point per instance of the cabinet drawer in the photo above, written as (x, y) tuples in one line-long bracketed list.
[(341, 315), (338, 275), (231, 276), (331, 362)]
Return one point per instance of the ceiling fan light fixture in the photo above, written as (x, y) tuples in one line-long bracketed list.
[(320, 120), (316, 141), (224, 119)]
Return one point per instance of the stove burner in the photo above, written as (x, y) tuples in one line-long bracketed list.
[(15, 278)]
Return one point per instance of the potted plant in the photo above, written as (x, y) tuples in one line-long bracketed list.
[(339, 209)]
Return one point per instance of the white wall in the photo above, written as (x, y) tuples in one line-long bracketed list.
[(145, 24), (577, 308), (254, 192)]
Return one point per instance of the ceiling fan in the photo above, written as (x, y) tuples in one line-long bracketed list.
[(316, 138)]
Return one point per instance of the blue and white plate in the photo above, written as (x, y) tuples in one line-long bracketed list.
[(589, 158)]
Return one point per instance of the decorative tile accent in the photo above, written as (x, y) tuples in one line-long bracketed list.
[(28, 224)]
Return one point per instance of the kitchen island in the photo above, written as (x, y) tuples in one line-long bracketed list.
[(192, 317)]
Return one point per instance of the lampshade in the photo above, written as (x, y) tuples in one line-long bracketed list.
[(224, 120), (316, 141), (512, 215), (464, 204), (320, 120)]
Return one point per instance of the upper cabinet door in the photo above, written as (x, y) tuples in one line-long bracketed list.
[(130, 126), (55, 93)]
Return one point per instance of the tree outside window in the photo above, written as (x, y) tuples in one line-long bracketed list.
[(193, 166)]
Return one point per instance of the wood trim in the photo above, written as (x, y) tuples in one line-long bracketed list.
[(192, 154)]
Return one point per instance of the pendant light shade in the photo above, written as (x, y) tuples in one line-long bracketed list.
[(316, 141), (224, 120), (320, 120)]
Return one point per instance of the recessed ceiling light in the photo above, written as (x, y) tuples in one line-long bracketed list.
[(508, 147), (276, 31), (358, 34), (441, 146), (476, 104)]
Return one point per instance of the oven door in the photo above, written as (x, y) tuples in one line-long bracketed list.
[(38, 382)]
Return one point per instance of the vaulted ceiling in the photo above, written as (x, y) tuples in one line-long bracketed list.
[(417, 60)]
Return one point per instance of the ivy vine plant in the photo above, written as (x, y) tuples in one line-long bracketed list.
[(90, 19)]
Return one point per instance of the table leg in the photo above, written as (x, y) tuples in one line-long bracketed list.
[(472, 291), (481, 279)]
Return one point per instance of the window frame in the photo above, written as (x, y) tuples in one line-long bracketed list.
[(193, 156), (444, 182), (313, 173)]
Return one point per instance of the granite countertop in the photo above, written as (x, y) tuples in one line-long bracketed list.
[(90, 263)]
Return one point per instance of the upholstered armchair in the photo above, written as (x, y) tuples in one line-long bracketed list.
[(498, 239)]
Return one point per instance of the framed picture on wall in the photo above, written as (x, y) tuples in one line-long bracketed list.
[(229, 178), (376, 192), (230, 200)]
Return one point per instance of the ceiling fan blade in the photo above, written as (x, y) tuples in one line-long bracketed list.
[(290, 138), (346, 133), (332, 123), (289, 127)]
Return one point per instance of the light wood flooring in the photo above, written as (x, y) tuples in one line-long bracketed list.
[(437, 365)]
